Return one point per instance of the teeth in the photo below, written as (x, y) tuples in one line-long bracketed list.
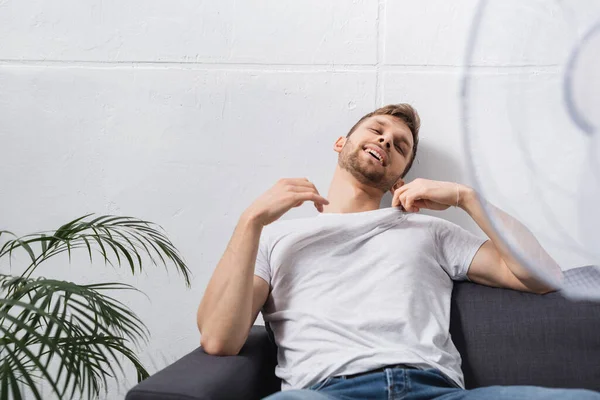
[(374, 153), (370, 151)]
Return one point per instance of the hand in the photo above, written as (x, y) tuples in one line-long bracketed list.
[(425, 193), (286, 194)]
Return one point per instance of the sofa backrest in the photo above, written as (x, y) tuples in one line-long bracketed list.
[(506, 337)]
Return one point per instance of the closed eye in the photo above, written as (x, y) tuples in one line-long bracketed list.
[(398, 148)]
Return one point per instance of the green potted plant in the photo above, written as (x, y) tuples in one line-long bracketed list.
[(74, 337)]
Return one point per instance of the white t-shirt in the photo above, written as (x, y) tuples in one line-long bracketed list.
[(358, 291)]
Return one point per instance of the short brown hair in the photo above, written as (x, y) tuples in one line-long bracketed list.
[(408, 115)]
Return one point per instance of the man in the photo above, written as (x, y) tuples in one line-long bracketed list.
[(358, 298)]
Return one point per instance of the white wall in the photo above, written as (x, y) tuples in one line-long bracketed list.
[(182, 112)]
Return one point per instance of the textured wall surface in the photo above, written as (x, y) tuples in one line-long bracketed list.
[(182, 112)]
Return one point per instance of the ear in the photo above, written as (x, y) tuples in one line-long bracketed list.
[(399, 183), (339, 144)]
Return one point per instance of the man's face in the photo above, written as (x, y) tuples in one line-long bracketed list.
[(377, 152)]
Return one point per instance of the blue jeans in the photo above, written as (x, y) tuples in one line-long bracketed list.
[(415, 384)]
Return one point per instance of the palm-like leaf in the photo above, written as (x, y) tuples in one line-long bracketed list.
[(72, 336)]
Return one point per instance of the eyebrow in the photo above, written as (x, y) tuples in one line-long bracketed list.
[(403, 138)]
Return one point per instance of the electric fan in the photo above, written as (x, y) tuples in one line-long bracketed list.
[(530, 101)]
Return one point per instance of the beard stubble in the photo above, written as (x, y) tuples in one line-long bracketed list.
[(350, 159)]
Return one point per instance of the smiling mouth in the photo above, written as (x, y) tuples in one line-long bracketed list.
[(374, 154)]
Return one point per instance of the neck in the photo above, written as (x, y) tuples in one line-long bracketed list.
[(348, 195)]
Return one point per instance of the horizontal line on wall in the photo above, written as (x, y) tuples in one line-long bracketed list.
[(472, 65), (272, 67), (479, 69), (188, 65)]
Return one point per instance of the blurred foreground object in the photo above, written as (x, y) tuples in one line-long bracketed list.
[(530, 101)]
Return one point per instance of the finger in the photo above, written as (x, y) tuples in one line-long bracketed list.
[(413, 199), (402, 199), (413, 207), (310, 196), (300, 182), (318, 206), (296, 184), (304, 182), (419, 203), (305, 189), (406, 200), (403, 188), (396, 200)]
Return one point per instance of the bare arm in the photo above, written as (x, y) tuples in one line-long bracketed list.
[(234, 296), (225, 313), (494, 264)]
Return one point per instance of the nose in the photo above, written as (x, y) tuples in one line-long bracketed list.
[(384, 142)]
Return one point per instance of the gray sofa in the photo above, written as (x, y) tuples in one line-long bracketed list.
[(505, 337)]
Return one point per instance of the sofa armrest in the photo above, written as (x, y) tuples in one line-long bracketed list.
[(248, 375)]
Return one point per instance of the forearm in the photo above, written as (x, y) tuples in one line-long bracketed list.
[(225, 310), (516, 233)]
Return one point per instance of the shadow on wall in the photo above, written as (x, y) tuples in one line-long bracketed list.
[(432, 163)]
